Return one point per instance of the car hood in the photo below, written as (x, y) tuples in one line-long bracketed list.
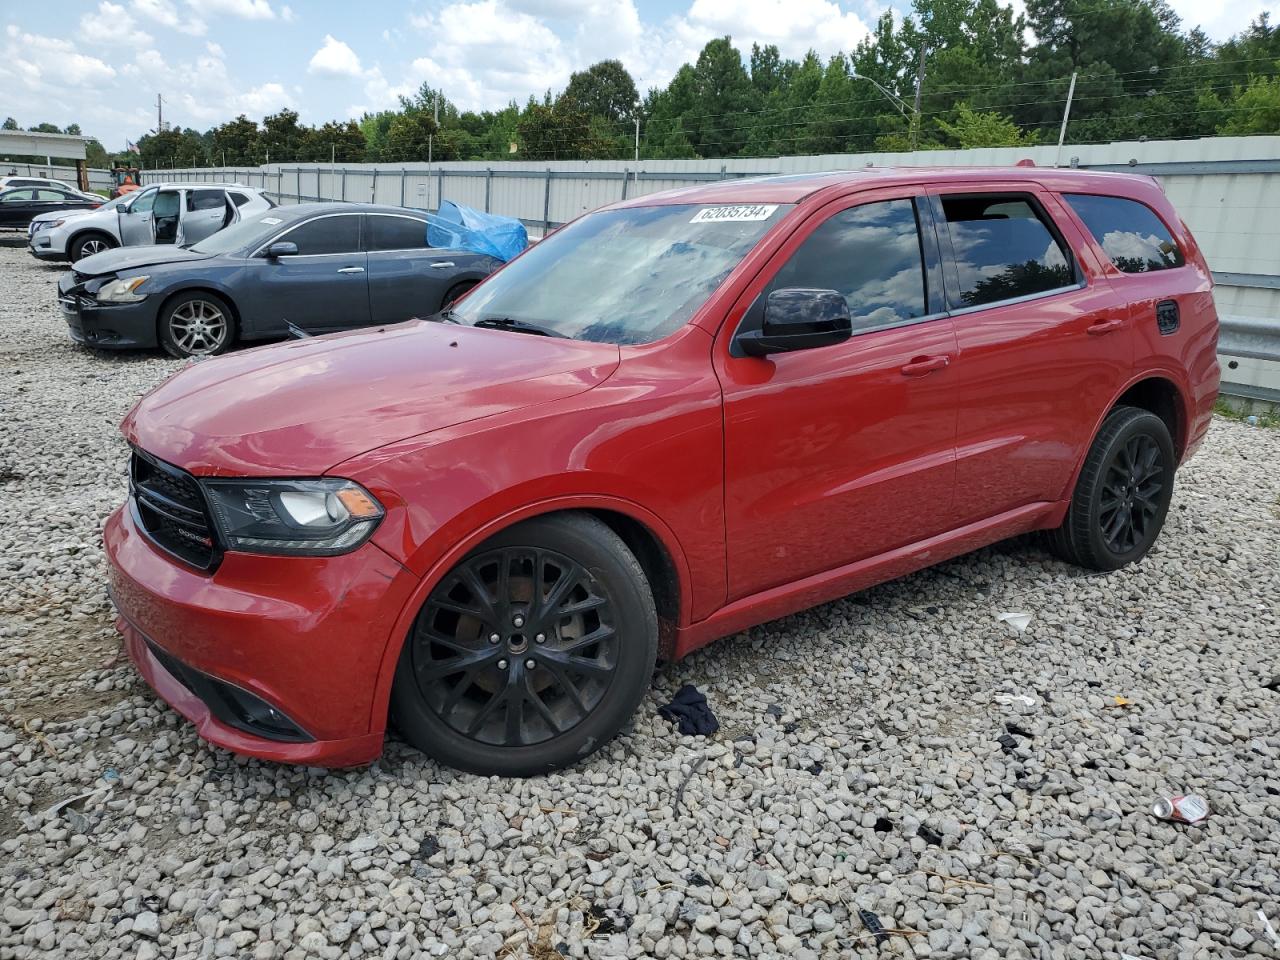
[(62, 214), (302, 407), (131, 258)]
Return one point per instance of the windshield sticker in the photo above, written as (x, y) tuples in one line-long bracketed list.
[(271, 220), (738, 214)]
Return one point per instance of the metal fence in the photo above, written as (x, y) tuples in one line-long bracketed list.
[(1227, 189), (98, 179)]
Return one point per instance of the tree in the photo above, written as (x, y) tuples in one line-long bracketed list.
[(283, 138), (605, 90), (972, 129), (237, 142), (1254, 109), (9, 124)]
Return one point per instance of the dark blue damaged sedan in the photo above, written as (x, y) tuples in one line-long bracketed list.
[(319, 267)]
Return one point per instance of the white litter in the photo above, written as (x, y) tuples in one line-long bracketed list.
[(1019, 621), (1271, 931), (1012, 698)]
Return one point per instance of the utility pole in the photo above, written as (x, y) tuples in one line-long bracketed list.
[(159, 114), (915, 117), (637, 138), (435, 117), (1066, 115)]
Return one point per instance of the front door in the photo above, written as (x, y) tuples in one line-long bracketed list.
[(135, 219), (323, 287), (840, 453), (205, 212), (1043, 345)]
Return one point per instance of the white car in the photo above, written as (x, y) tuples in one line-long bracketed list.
[(11, 183), (170, 213)]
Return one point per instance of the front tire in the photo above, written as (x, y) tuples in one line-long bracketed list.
[(1120, 502), (87, 244), (531, 653), (196, 324)]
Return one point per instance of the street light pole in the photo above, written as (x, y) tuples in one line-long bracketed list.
[(1066, 114)]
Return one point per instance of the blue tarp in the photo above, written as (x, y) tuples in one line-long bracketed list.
[(461, 228)]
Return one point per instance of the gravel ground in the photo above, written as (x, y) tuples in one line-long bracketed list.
[(981, 791)]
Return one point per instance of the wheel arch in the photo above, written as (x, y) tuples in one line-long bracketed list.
[(1157, 391), (648, 537), (74, 237)]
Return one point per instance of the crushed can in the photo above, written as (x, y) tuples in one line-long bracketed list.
[(1189, 809)]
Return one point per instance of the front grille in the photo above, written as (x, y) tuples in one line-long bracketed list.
[(171, 509)]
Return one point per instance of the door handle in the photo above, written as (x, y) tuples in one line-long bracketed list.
[(1103, 327), (920, 366), (441, 264), (352, 270)]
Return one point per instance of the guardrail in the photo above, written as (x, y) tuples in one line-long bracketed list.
[(1249, 352)]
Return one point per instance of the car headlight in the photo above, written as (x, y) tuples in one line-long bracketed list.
[(49, 224), (122, 290), (295, 517)]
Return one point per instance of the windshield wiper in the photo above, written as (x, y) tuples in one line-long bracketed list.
[(519, 326)]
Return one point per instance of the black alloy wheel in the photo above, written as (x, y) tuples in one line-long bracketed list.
[(1120, 502), (1131, 493), (531, 652)]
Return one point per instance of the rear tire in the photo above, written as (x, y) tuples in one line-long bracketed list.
[(531, 653), (87, 244), (1120, 502), (196, 324)]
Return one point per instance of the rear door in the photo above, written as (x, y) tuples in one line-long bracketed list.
[(1043, 344), (407, 277), (205, 212), (323, 288), (840, 453)]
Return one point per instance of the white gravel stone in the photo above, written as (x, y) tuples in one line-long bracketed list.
[(859, 764)]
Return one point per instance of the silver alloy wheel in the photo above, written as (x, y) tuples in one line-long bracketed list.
[(198, 327), (90, 247)]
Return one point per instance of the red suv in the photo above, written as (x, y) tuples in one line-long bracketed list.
[(674, 418)]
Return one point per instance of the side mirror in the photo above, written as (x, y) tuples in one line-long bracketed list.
[(285, 248), (799, 319)]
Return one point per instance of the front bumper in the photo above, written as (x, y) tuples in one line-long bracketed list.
[(116, 326), (40, 246), (304, 636)]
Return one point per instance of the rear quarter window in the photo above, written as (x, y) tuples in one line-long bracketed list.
[(1130, 233)]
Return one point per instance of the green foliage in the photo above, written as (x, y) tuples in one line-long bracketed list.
[(1254, 109), (989, 129)]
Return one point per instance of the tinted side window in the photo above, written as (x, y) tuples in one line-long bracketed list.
[(19, 196), (1003, 249), (871, 256), (52, 195), (339, 234), (205, 200), (144, 203), (1131, 234), (239, 199), (396, 233)]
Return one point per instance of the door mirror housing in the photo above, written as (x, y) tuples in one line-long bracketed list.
[(799, 319), (282, 248)]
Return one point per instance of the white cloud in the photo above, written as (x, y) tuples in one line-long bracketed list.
[(166, 14), (245, 9), (287, 14), (102, 27), (796, 26), (335, 57)]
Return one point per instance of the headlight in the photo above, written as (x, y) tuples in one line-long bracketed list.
[(297, 517), (49, 224), (122, 290)]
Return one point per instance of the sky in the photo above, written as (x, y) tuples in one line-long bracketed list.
[(101, 63)]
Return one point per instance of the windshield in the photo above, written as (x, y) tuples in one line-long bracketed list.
[(246, 233), (622, 276), (111, 204)]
